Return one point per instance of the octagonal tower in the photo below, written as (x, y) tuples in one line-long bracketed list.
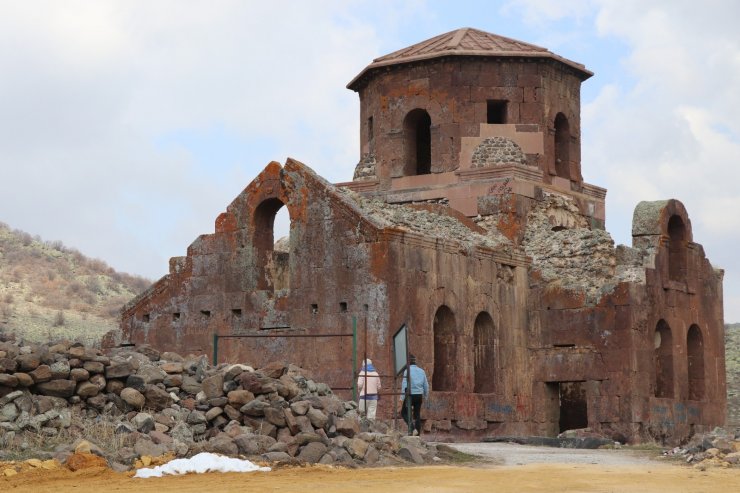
[(467, 115)]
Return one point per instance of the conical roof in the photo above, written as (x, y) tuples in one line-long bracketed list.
[(466, 42)]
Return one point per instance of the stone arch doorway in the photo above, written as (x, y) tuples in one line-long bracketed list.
[(484, 354), (273, 263), (445, 362), (562, 146), (417, 136), (695, 356), (663, 343)]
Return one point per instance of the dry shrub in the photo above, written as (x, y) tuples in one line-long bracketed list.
[(59, 319)]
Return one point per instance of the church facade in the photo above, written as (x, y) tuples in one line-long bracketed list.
[(468, 220)]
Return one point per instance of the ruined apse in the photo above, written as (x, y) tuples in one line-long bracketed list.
[(468, 220)]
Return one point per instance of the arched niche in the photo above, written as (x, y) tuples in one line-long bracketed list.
[(663, 359), (417, 138), (484, 354), (445, 362), (695, 356)]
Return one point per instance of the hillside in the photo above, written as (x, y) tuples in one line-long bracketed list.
[(732, 361), (49, 291)]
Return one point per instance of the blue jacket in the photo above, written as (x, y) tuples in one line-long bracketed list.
[(419, 382)]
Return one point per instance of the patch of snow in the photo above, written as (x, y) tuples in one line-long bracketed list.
[(203, 462)]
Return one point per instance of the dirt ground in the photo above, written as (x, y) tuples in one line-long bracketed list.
[(537, 473)]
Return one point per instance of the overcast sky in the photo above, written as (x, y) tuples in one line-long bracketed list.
[(126, 127)]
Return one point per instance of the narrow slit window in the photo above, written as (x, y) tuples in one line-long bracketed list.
[(236, 313), (176, 316), (314, 308), (206, 313), (343, 306), (146, 317), (370, 130)]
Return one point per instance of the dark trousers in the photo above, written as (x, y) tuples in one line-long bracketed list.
[(415, 411)]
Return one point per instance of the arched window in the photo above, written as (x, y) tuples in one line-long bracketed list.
[(663, 360), (417, 136), (676, 249), (484, 354), (562, 146), (273, 261), (695, 354), (444, 350)]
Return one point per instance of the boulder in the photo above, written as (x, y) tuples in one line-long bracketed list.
[(41, 374), (318, 418), (300, 408), (312, 452), (151, 374), (79, 374), (87, 389), (213, 413), (347, 427), (213, 386), (118, 369), (410, 454), (8, 380), (157, 398), (356, 447), (24, 379), (275, 416), (190, 385), (136, 382), (223, 444), (94, 366), (57, 388), (143, 422), (172, 367), (254, 408), (133, 398), (238, 398)]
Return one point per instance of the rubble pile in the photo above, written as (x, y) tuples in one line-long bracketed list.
[(156, 404), (720, 448)]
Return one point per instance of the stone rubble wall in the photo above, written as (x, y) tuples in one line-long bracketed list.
[(162, 403), (495, 151)]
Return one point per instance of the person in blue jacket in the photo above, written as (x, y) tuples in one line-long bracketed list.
[(418, 390)]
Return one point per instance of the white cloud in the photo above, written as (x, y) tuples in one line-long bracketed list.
[(90, 89)]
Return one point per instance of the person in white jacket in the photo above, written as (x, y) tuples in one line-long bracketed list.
[(368, 385)]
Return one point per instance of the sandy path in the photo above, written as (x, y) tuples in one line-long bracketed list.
[(522, 479), (619, 471)]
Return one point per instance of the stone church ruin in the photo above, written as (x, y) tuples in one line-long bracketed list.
[(467, 219)]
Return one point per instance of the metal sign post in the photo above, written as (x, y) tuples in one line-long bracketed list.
[(400, 363)]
